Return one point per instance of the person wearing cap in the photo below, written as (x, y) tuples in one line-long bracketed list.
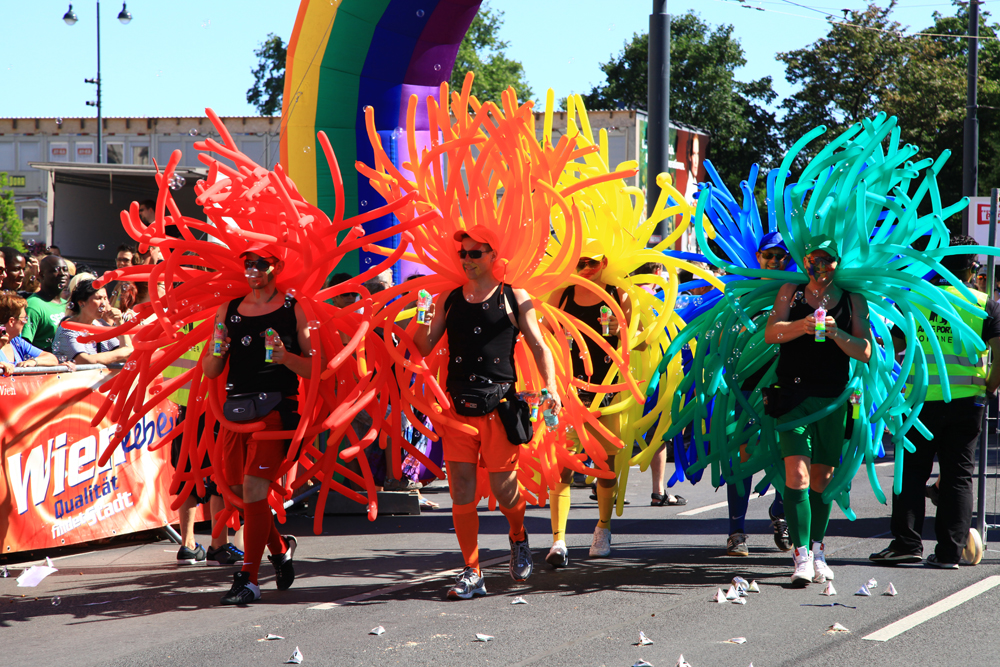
[(955, 426), (812, 375), (268, 390), (585, 306), (772, 255), (483, 319)]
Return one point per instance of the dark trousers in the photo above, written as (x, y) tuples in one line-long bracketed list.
[(956, 426)]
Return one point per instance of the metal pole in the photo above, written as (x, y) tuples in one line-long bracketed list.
[(984, 436), (100, 122), (658, 121), (970, 144)]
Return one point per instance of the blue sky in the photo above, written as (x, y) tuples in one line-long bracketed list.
[(176, 58)]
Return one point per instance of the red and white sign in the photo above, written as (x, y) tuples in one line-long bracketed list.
[(54, 492), (85, 151)]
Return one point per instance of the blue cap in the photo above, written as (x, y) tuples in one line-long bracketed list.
[(772, 240)]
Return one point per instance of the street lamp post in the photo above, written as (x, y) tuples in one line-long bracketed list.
[(70, 17)]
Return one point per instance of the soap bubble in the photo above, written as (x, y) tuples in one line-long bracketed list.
[(458, 360), (364, 202), (437, 68), (246, 340), (262, 396), (306, 149), (486, 306), (101, 247), (193, 132), (235, 319), (477, 330), (56, 601), (420, 13)]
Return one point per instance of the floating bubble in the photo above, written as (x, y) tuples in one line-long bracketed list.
[(56, 601), (262, 396), (420, 13), (486, 306), (101, 247), (246, 340), (364, 202), (437, 68), (477, 330), (235, 319), (307, 149), (193, 132), (458, 360)]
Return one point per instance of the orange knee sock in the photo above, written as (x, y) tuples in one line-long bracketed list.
[(466, 520), (515, 517)]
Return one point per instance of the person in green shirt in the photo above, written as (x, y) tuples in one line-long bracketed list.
[(46, 308)]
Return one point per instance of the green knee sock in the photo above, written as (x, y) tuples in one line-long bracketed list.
[(798, 516), (820, 516)]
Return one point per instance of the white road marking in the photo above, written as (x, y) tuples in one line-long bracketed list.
[(385, 590), (715, 506), (936, 609)]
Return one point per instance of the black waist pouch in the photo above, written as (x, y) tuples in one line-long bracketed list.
[(779, 401), (515, 415), (478, 397), (248, 407)]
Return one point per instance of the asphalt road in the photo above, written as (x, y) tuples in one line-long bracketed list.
[(134, 606)]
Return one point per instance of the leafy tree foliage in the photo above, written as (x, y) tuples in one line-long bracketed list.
[(11, 226), (483, 52), (269, 76), (704, 92)]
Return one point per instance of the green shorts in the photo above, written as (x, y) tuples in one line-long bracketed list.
[(822, 441)]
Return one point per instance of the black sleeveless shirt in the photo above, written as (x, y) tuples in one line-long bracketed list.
[(815, 369), (248, 372), (590, 315), (481, 337)]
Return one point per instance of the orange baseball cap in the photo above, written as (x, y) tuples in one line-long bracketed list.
[(479, 234)]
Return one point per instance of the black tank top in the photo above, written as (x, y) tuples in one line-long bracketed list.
[(248, 372), (481, 337), (590, 315), (815, 369)]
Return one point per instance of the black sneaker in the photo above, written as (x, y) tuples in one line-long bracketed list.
[(284, 571), (736, 545), (227, 554), (242, 592), (933, 561), (782, 539), (187, 556), (890, 556), (520, 559)]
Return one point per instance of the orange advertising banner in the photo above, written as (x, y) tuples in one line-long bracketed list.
[(53, 492)]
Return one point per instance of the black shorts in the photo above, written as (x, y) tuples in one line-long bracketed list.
[(175, 455)]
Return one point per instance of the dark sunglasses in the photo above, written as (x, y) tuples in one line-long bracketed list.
[(474, 254), (260, 264), (587, 264), (773, 254), (822, 261)]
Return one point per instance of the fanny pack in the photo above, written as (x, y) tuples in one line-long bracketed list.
[(248, 407), (515, 415), (478, 397)]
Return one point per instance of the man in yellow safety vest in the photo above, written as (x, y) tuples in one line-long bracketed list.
[(955, 425)]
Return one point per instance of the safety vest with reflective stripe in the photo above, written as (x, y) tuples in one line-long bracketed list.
[(966, 378), (184, 362)]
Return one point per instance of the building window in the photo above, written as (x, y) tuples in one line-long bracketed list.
[(140, 155), (29, 216), (116, 153)]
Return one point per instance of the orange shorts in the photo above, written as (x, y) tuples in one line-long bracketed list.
[(490, 444), (245, 456)]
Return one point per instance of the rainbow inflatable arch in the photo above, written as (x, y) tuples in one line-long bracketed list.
[(344, 55)]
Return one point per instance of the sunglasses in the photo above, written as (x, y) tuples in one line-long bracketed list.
[(772, 254), (822, 261), (260, 264), (587, 264), (474, 254)]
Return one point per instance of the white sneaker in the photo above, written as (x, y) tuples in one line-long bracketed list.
[(558, 554), (823, 573), (804, 570), (601, 546)]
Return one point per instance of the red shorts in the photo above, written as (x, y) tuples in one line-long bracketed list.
[(245, 456), (490, 444)]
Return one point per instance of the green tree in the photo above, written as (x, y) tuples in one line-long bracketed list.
[(704, 92), (11, 226), (857, 70), (482, 52), (269, 76)]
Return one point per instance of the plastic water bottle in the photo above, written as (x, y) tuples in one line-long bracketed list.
[(820, 316), (423, 304), (551, 419)]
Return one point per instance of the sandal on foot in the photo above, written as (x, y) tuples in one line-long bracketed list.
[(659, 500)]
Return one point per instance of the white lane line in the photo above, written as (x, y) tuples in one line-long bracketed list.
[(936, 609), (385, 590), (885, 463), (709, 508)]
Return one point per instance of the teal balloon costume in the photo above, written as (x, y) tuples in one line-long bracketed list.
[(876, 200)]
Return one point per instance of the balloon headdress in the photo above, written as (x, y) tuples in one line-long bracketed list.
[(860, 199), (251, 209)]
